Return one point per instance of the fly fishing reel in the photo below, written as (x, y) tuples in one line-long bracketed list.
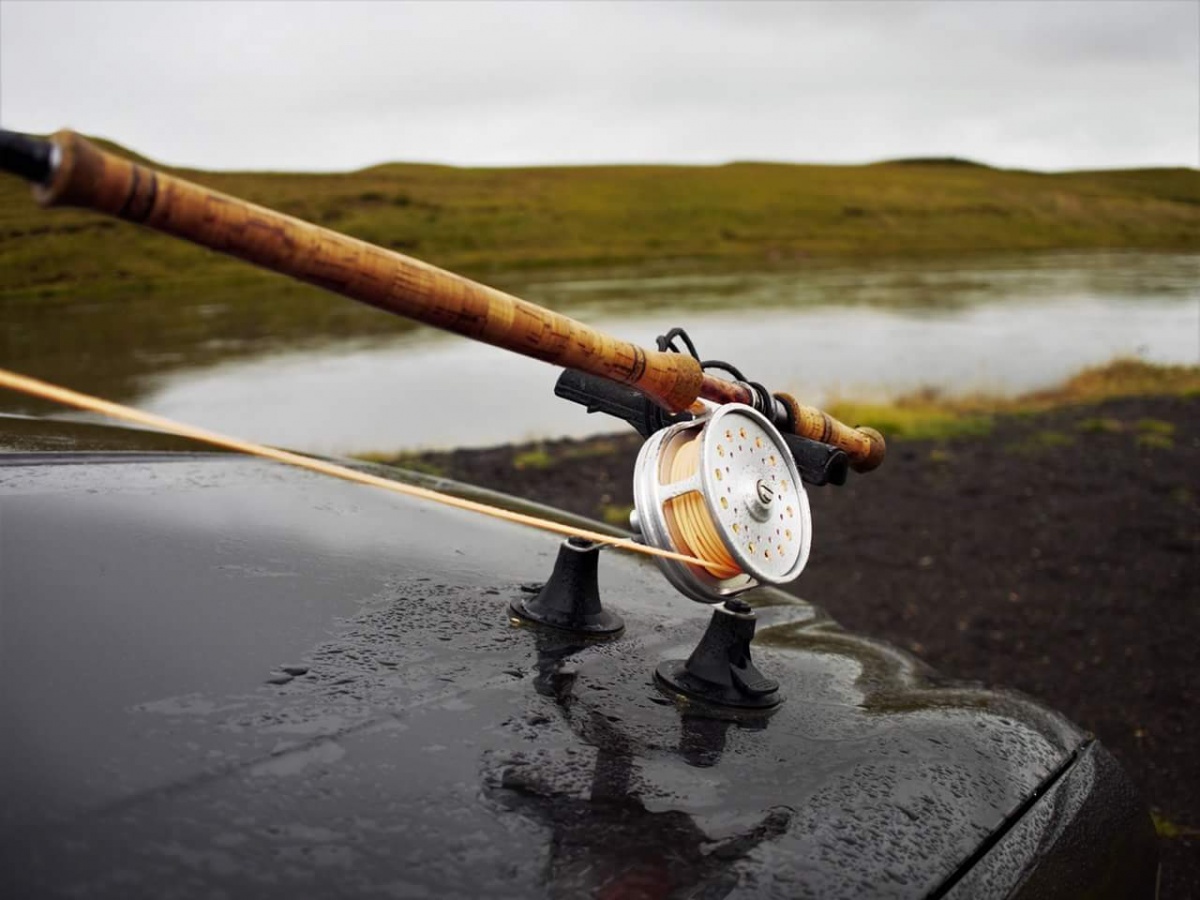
[(720, 488), (724, 488)]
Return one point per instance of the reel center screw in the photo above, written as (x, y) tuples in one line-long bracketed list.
[(760, 500)]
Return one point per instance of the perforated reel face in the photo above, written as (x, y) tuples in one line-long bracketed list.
[(724, 488)]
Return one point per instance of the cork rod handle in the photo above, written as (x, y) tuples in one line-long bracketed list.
[(865, 446)]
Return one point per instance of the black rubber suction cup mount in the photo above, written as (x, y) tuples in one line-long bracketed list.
[(720, 670), (570, 600)]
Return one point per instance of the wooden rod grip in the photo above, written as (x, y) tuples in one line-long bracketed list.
[(88, 177), (865, 446)]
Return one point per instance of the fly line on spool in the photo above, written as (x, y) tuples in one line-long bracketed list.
[(724, 487)]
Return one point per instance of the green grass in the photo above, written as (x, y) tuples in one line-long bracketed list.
[(485, 221), (534, 458), (912, 420), (1155, 441), (415, 462), (1121, 378), (1155, 434), (616, 514), (1155, 427), (1040, 442), (538, 456), (1100, 425), (1171, 830), (928, 415)]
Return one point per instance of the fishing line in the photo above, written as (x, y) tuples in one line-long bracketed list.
[(694, 528), (67, 397)]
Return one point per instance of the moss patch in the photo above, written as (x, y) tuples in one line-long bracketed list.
[(1042, 441), (1170, 830), (1155, 441), (535, 458), (928, 414), (1100, 426), (414, 462), (1155, 427), (616, 514), (912, 419)]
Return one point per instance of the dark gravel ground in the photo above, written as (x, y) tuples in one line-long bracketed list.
[(1059, 556)]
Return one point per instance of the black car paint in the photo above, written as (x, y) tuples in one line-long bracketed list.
[(424, 744)]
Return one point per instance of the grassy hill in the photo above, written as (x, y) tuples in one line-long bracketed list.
[(486, 222)]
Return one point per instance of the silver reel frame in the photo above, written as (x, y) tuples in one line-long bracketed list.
[(651, 496)]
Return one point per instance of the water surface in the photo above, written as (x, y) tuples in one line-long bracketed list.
[(863, 331)]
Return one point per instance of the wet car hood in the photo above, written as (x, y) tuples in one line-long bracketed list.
[(222, 673)]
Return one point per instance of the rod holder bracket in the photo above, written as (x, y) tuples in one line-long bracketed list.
[(570, 600), (720, 671)]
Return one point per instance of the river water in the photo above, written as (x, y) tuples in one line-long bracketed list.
[(864, 331)]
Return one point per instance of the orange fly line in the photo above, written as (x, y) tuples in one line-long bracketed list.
[(67, 397)]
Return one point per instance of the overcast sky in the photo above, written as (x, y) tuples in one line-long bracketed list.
[(317, 86)]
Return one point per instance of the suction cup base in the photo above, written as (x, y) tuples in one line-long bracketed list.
[(570, 600), (720, 671), (673, 676)]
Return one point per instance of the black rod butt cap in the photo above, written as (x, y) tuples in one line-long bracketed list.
[(29, 157), (570, 600)]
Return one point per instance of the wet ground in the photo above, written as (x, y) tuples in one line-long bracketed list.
[(1059, 556)]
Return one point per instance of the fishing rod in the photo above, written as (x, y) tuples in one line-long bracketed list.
[(746, 513)]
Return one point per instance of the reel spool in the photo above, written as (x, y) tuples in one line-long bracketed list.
[(723, 488)]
